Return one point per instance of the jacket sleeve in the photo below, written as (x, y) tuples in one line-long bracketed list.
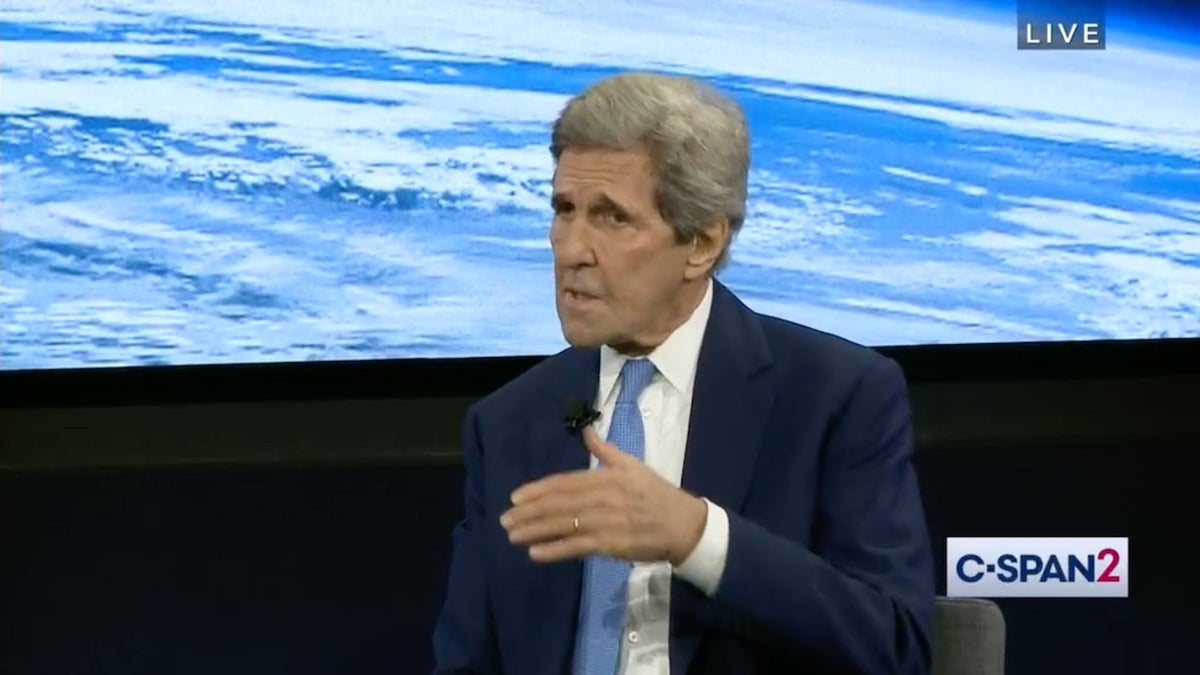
[(861, 599), (464, 635)]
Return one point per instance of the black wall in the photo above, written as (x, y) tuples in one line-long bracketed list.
[(299, 523)]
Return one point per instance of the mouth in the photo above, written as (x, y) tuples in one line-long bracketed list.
[(573, 295)]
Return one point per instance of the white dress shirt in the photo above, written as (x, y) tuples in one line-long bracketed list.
[(666, 405)]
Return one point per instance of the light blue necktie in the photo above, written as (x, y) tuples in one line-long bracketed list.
[(602, 606)]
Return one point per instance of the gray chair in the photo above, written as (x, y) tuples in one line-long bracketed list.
[(968, 637)]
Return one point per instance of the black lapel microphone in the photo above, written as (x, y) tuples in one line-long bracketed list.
[(577, 414)]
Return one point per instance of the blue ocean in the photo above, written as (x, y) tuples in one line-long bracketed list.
[(189, 182)]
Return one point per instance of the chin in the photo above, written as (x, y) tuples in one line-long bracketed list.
[(582, 340), (580, 336)]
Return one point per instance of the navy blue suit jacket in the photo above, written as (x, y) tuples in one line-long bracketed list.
[(805, 440)]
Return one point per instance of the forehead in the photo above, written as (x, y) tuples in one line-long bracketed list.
[(626, 172)]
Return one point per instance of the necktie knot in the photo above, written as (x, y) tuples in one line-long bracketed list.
[(635, 375)]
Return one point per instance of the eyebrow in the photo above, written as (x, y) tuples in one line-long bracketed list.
[(601, 204)]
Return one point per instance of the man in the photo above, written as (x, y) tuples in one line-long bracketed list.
[(745, 502)]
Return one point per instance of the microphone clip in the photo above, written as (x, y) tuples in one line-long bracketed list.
[(579, 414)]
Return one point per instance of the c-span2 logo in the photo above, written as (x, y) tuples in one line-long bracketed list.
[(1037, 567)]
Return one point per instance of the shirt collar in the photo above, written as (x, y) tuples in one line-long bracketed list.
[(675, 359)]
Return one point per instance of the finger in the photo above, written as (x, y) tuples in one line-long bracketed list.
[(571, 481), (556, 505), (598, 513), (600, 523), (558, 526), (570, 548), (606, 452)]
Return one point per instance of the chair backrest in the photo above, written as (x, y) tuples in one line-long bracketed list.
[(968, 637)]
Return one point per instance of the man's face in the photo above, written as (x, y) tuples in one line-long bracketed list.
[(621, 277)]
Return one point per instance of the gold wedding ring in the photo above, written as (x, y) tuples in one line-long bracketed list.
[(575, 522)]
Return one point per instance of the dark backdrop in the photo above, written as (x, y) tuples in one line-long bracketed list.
[(295, 519)]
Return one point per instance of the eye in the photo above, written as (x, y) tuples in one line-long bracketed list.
[(617, 216), (562, 208)]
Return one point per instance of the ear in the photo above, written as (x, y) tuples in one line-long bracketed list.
[(707, 247)]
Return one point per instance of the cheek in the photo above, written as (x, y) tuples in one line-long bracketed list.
[(638, 277), (637, 291)]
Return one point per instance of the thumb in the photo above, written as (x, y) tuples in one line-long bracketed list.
[(604, 451)]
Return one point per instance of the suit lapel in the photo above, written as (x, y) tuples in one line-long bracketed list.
[(731, 402), (556, 450), (559, 448)]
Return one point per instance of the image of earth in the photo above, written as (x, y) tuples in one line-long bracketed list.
[(219, 181)]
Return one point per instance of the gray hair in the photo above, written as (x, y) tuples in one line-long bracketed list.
[(697, 138)]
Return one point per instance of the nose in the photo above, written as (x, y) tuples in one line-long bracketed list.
[(570, 243)]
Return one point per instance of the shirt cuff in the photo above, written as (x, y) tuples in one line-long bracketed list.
[(705, 565)]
